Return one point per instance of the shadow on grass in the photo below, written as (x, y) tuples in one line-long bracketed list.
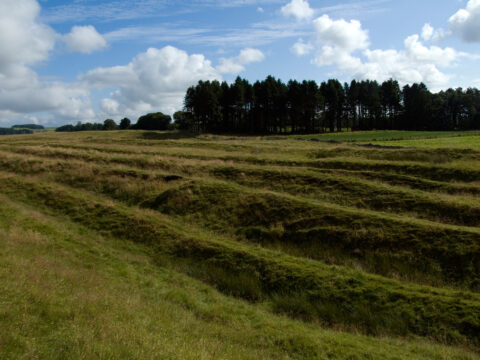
[(168, 135)]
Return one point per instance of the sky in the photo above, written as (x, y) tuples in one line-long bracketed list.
[(65, 61)]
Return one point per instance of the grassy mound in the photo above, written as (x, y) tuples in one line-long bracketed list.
[(68, 292), (277, 238), (334, 295)]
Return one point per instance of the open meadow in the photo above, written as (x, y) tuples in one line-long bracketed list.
[(161, 245)]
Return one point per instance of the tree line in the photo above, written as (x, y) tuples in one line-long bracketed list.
[(273, 107), (21, 129), (14, 131), (152, 121), (29, 126)]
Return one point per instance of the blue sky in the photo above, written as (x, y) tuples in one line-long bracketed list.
[(84, 60)]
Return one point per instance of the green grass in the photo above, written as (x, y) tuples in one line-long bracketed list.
[(68, 292), (454, 320), (300, 224), (162, 245), (374, 136), (441, 142)]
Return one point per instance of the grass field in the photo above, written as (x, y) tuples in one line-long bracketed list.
[(133, 244), (393, 136)]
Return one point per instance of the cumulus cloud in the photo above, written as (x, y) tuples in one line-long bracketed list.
[(420, 54), (429, 33), (301, 48), (84, 39), (345, 44), (345, 35), (300, 9), (466, 22), (154, 80), (237, 64), (384, 64), (337, 40), (25, 42)]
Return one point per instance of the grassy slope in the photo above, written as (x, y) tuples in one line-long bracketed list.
[(68, 292), (221, 198)]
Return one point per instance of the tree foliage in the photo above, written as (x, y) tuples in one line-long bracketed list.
[(273, 107), (29, 126), (182, 120), (80, 127), (109, 124), (153, 121), (125, 123), (12, 131)]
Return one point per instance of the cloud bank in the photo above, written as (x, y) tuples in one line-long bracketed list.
[(154, 80), (346, 46), (25, 42)]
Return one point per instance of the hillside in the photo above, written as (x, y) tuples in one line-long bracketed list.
[(142, 244)]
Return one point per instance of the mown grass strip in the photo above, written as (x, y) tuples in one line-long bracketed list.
[(378, 240), (431, 172), (343, 190), (455, 172), (353, 192), (390, 246)]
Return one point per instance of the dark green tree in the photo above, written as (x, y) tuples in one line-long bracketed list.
[(125, 123), (271, 107), (334, 97), (183, 120), (418, 108), (391, 107), (109, 124), (153, 121)]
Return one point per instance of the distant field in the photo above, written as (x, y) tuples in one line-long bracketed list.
[(136, 244), (463, 141), (399, 137)]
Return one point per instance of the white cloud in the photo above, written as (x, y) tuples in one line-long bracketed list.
[(260, 10), (250, 55), (345, 35), (337, 40), (301, 48), (25, 42), (435, 55), (300, 9), (384, 64), (355, 8), (346, 46), (110, 106), (154, 80), (84, 39), (229, 66), (466, 22), (429, 33), (329, 55), (237, 64)]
